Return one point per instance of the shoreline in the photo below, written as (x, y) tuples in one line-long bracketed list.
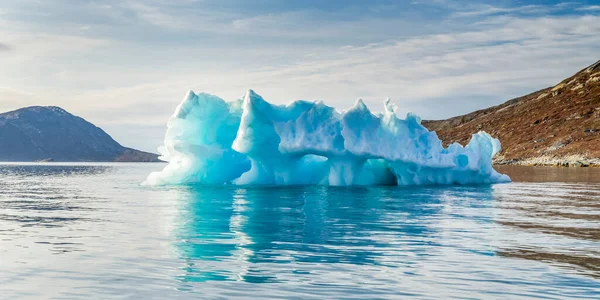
[(573, 161)]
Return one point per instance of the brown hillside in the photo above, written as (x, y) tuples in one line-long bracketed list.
[(555, 122)]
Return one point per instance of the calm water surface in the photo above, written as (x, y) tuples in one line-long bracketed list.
[(91, 231)]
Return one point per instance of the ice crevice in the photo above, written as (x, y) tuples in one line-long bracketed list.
[(252, 142)]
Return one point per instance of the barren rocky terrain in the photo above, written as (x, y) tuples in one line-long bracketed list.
[(559, 125)]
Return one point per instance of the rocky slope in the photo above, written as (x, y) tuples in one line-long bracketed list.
[(49, 133), (559, 125)]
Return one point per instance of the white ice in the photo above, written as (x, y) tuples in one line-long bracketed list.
[(253, 142)]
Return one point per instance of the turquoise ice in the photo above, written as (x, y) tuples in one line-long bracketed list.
[(253, 142)]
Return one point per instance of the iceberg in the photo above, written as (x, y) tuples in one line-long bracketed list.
[(252, 142)]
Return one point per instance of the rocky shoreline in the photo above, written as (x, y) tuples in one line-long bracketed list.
[(566, 161)]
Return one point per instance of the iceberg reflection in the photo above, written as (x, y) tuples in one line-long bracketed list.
[(269, 234)]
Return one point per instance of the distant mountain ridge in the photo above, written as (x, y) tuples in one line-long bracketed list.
[(50, 133), (559, 125)]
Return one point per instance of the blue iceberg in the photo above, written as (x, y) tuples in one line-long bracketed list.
[(253, 142)]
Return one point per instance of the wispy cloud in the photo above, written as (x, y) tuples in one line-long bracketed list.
[(158, 16), (486, 10), (590, 8)]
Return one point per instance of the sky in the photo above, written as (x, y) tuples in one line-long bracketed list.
[(124, 65)]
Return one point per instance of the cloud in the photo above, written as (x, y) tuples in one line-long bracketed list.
[(590, 8), (5, 47), (486, 10), (158, 16), (521, 44), (494, 63)]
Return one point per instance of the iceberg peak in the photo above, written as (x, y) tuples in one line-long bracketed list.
[(359, 105), (251, 94), (390, 108)]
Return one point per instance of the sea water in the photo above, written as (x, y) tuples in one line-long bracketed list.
[(74, 231)]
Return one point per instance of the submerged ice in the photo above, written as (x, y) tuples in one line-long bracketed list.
[(250, 141)]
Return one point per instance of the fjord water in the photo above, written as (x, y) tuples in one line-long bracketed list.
[(92, 231)]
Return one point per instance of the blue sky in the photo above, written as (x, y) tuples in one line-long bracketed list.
[(125, 65)]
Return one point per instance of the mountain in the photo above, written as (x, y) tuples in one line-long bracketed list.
[(559, 125), (50, 133)]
